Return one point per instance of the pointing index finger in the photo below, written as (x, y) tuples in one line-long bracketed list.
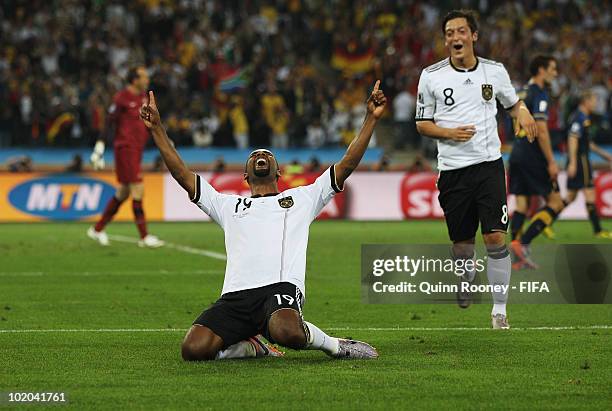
[(376, 86), (152, 99)]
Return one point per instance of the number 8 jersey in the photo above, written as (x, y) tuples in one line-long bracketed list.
[(452, 97)]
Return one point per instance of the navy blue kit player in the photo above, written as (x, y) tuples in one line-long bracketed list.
[(579, 169), (533, 170)]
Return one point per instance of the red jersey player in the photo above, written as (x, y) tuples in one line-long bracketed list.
[(130, 137)]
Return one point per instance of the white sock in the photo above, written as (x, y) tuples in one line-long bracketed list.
[(469, 275), (460, 252), (242, 349), (318, 340), (499, 267)]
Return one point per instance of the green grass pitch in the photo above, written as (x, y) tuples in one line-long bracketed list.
[(52, 277)]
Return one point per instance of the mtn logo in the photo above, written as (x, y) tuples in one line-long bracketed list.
[(468, 82), (61, 197)]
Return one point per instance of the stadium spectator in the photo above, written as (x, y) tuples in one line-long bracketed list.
[(314, 165), (403, 115), (419, 165), (218, 166), (55, 55), (75, 165), (275, 113), (239, 122), (19, 164)]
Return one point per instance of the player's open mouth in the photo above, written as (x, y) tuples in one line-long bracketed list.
[(262, 167), (458, 46)]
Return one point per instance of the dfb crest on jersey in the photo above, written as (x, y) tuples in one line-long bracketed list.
[(487, 91), (286, 202)]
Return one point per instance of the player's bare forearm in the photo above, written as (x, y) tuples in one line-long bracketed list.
[(355, 151), (515, 110), (152, 119), (460, 134), (173, 161), (544, 141), (375, 107), (573, 150), (521, 113), (430, 129), (600, 152)]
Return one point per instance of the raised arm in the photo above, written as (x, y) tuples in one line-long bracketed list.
[(376, 106), (150, 115)]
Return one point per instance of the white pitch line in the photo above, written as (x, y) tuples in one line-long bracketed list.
[(158, 330), (105, 273), (562, 328), (183, 248)]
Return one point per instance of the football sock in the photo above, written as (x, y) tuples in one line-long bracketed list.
[(540, 220), (565, 204), (469, 275), (111, 209), (318, 340), (594, 217), (139, 217), (242, 349), (517, 223), (498, 272)]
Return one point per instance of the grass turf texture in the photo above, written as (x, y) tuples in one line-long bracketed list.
[(53, 277)]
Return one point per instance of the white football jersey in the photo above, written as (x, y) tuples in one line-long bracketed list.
[(453, 97), (266, 237)]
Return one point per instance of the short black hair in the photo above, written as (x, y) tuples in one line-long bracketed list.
[(469, 15), (132, 74), (539, 61)]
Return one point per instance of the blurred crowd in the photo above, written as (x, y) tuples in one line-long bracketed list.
[(286, 73)]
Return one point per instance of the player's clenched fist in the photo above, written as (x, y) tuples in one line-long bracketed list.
[(149, 113), (463, 133), (377, 101)]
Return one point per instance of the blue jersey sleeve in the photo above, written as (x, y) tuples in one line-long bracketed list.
[(539, 106), (576, 128)]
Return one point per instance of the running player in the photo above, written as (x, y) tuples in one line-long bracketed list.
[(579, 170), (533, 170), (456, 104), (266, 236), (130, 137)]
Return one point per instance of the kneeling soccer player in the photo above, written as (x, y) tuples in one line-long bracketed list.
[(266, 236)]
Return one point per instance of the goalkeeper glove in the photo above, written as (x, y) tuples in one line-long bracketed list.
[(97, 157)]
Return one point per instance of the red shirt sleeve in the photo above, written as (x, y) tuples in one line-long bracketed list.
[(117, 105)]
